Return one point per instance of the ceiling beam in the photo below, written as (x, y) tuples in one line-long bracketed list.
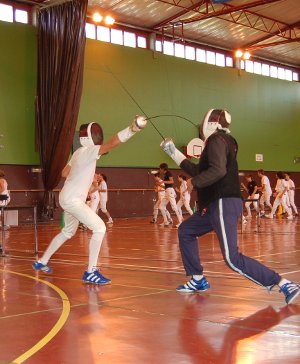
[(288, 32), (272, 44), (177, 15), (229, 9)]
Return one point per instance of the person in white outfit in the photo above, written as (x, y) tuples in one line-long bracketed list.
[(97, 197), (291, 192), (79, 174), (281, 197), (103, 197), (94, 196), (92, 199), (185, 196), (266, 192), (170, 194), (4, 193), (159, 188)]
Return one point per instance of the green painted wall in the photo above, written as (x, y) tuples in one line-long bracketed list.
[(17, 93), (265, 111)]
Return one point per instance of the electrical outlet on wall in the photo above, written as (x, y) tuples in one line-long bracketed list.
[(259, 157)]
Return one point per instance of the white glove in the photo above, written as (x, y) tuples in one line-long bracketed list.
[(138, 124), (169, 147)]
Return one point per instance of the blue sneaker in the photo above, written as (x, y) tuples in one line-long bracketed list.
[(95, 277), (291, 290), (40, 266), (193, 286)]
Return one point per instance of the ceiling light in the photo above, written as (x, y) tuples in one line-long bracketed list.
[(109, 20), (239, 53), (97, 17), (246, 55)]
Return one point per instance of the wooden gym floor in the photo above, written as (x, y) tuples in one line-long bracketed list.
[(140, 318)]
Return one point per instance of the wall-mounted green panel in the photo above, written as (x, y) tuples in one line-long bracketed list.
[(265, 111), (17, 93)]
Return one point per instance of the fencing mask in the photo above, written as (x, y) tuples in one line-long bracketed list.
[(213, 120), (90, 134)]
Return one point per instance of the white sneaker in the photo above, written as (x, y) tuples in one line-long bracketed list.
[(269, 216), (110, 221), (165, 224), (290, 217)]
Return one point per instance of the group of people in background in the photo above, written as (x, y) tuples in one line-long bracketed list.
[(166, 193), (284, 194), (257, 195)]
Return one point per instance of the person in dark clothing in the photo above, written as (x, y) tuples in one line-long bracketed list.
[(252, 191), (170, 196), (216, 181)]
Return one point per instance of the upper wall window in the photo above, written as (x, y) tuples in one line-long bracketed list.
[(130, 39), (210, 57), (90, 31), (179, 50), (220, 60), (103, 33), (6, 13), (116, 36), (273, 71), (168, 48), (158, 46), (200, 55), (265, 69), (190, 53), (14, 13), (141, 42), (229, 62), (21, 16)]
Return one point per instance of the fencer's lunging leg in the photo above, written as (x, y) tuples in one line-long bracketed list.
[(71, 225), (55, 244)]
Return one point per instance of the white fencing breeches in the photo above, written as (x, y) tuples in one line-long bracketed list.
[(75, 212)]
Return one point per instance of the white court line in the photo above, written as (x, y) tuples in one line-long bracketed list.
[(258, 256), (295, 271)]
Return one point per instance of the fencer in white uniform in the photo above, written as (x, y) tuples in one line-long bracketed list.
[(170, 195), (103, 197), (5, 195), (266, 192), (185, 196), (94, 193), (79, 174), (291, 193), (160, 190), (281, 197), (4, 190)]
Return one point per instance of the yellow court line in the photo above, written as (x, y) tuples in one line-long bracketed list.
[(55, 329)]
